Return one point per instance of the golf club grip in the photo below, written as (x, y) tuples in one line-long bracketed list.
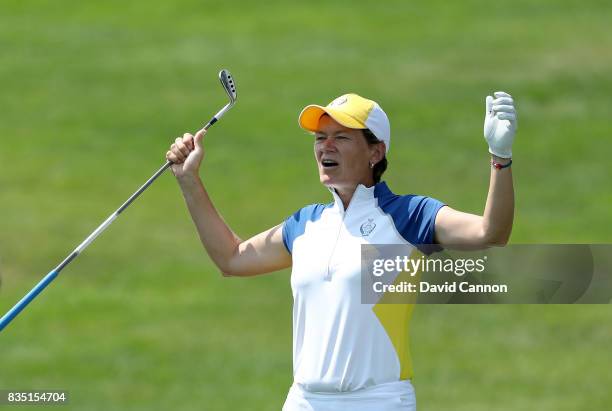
[(12, 313)]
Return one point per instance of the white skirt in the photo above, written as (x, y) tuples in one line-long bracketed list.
[(392, 396)]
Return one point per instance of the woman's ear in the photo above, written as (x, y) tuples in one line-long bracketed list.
[(378, 152)]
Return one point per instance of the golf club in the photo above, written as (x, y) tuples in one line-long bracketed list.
[(230, 88)]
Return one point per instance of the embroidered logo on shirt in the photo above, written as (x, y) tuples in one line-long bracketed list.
[(368, 227)]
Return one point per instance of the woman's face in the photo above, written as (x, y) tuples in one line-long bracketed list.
[(343, 155)]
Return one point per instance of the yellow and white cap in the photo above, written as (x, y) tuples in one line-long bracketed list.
[(352, 111)]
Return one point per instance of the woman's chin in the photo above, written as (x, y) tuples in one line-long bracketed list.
[(326, 180)]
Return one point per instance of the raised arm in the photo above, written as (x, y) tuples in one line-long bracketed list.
[(456, 229), (260, 254)]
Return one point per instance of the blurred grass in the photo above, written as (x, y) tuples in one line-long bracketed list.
[(93, 92)]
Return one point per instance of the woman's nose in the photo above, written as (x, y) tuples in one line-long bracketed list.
[(329, 143)]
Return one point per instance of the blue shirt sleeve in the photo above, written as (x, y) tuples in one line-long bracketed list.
[(415, 217), (422, 212), (295, 224)]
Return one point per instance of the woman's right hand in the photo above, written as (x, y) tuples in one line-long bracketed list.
[(186, 154)]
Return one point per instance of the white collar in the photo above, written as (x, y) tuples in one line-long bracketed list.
[(361, 194)]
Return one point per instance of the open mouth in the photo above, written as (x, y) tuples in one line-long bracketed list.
[(328, 163)]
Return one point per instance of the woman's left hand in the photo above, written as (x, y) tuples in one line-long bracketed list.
[(500, 124)]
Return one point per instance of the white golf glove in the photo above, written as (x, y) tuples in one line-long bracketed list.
[(500, 124)]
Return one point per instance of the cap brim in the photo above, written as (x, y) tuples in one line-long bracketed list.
[(310, 116)]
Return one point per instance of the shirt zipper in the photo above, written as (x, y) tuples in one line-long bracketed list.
[(328, 275)]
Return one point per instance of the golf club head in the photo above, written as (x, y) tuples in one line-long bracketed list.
[(227, 81)]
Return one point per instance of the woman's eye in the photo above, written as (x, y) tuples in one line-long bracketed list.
[(342, 137)]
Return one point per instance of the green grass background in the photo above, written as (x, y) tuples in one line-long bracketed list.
[(92, 93)]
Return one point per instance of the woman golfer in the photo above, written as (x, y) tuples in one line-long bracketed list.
[(348, 355)]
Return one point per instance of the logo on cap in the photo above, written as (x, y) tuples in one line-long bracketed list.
[(338, 102)]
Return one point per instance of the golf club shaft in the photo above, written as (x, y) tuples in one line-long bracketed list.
[(17, 308)]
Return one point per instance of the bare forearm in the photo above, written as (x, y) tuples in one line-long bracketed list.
[(499, 209), (217, 238), (459, 230)]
